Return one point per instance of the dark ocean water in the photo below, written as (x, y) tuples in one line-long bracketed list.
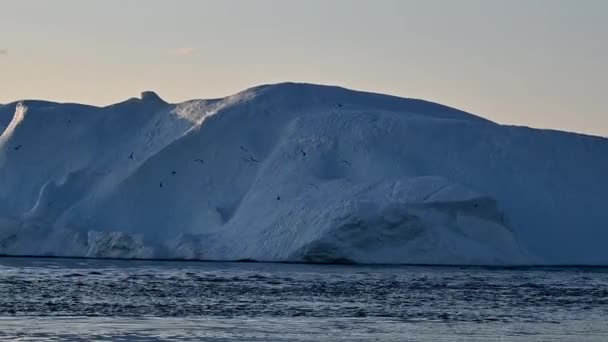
[(75, 299)]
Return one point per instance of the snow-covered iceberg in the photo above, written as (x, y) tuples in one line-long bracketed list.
[(297, 172)]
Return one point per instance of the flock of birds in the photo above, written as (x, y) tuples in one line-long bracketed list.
[(248, 159)]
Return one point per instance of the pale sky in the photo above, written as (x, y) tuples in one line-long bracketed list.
[(542, 63)]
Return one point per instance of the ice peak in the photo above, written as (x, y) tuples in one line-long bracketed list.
[(150, 96)]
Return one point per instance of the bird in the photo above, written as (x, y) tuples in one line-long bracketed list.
[(244, 149), (199, 161), (131, 156), (160, 185), (278, 198), (17, 147), (314, 185), (340, 105), (303, 153), (173, 172)]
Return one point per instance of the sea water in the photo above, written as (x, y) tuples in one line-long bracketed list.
[(110, 300)]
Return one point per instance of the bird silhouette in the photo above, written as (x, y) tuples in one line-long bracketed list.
[(131, 156), (17, 147), (314, 185)]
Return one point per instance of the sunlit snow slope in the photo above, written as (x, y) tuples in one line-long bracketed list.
[(297, 172)]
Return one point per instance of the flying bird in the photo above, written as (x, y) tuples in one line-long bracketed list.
[(17, 147), (314, 185), (251, 160)]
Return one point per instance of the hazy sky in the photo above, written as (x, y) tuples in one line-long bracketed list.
[(542, 63)]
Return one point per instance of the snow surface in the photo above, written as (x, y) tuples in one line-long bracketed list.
[(297, 172)]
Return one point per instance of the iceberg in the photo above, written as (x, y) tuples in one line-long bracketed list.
[(297, 173)]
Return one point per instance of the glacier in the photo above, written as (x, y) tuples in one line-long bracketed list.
[(297, 173)]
